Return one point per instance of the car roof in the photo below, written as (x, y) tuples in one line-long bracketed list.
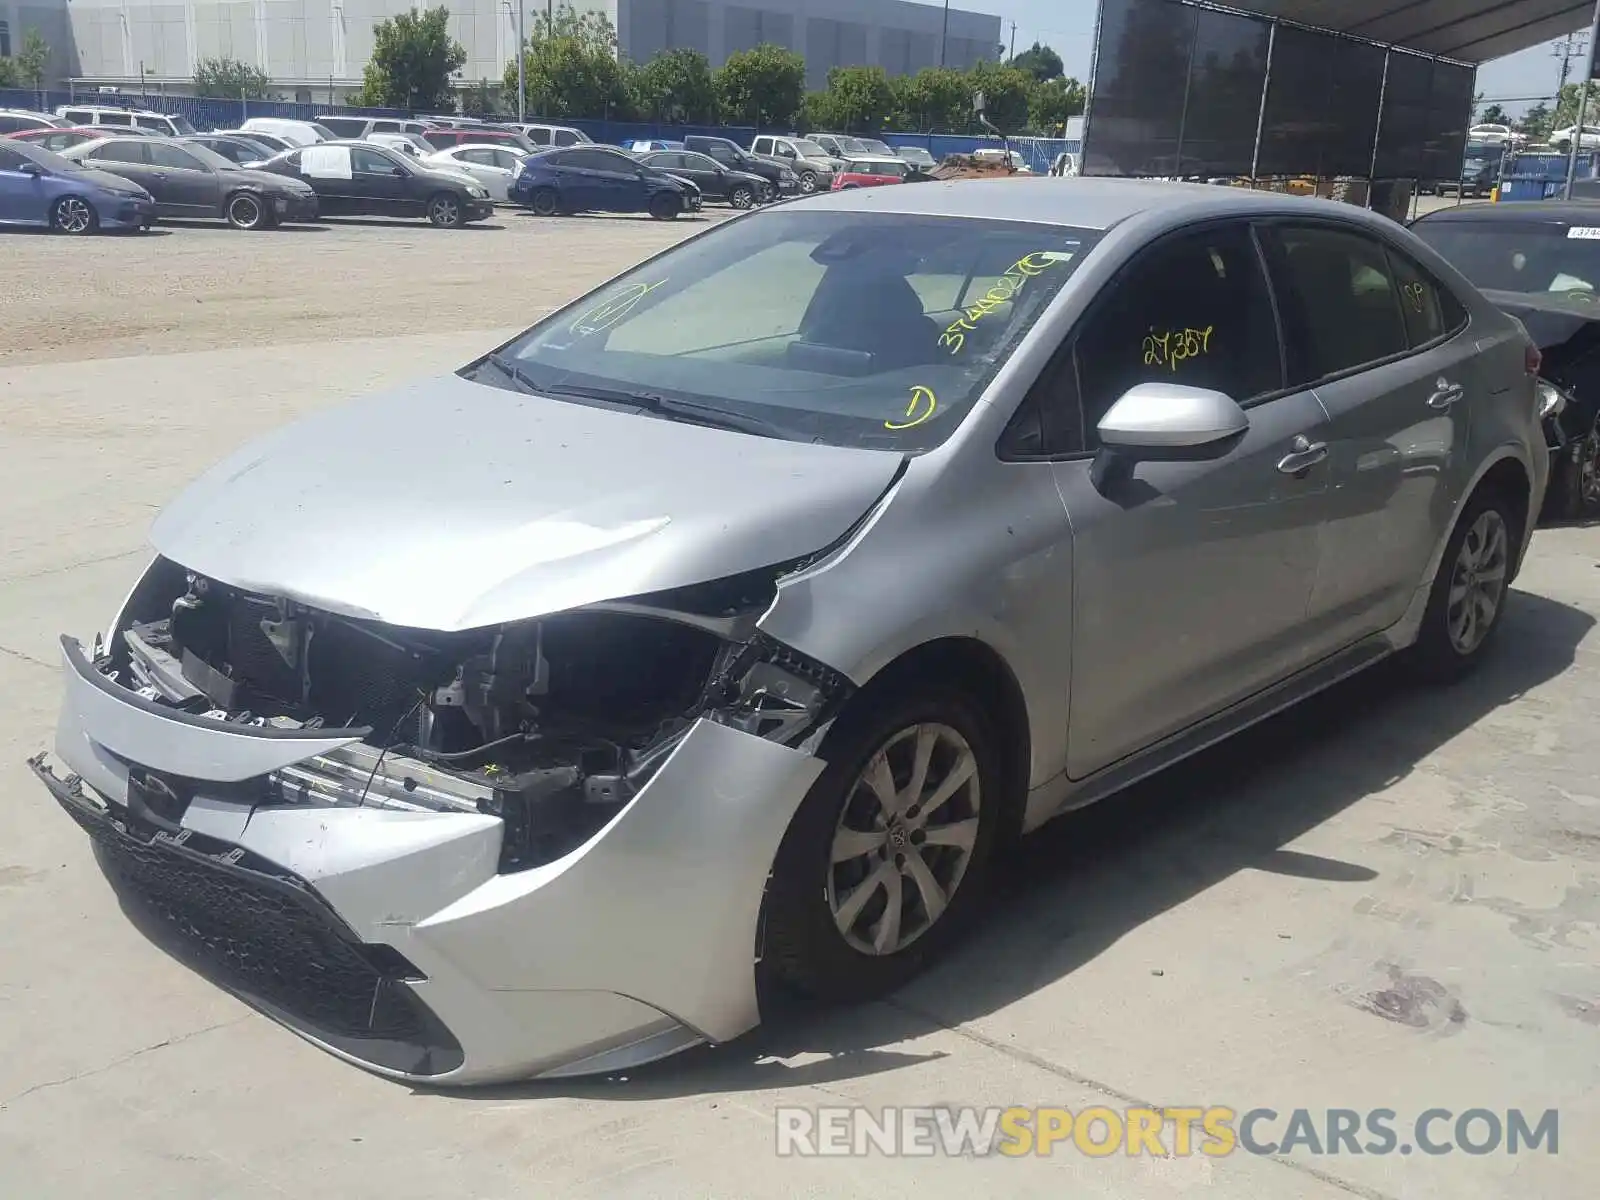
[(1567, 212), (1082, 203)]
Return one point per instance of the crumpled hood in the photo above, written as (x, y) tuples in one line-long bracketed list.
[(271, 181), (452, 505)]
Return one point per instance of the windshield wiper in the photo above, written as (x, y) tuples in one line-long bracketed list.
[(656, 404)]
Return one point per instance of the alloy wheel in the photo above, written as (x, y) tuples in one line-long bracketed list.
[(904, 839), (244, 212), (1478, 582), (73, 215), (808, 182), (741, 198), (1588, 466), (444, 211)]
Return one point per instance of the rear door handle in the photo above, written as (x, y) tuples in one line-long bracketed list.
[(1304, 455), (1445, 393)]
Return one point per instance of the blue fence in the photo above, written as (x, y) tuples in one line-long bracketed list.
[(227, 114)]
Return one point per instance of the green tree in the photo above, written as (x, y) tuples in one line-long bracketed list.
[(1006, 92), (1536, 122), (8, 73), (480, 101), (1051, 102), (857, 100), (571, 67), (1494, 114), (230, 78), (32, 60), (1040, 61), (676, 85), (413, 60), (1567, 107), (934, 99), (764, 87)]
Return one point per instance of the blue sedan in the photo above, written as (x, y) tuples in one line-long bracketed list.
[(40, 188), (599, 179)]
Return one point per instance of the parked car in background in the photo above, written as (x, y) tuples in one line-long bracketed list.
[(812, 165), (1480, 170), (789, 578), (236, 148), (553, 135), (870, 172), (443, 139), (42, 189), (599, 179), (1491, 133), (359, 179), (735, 157), (188, 180), (715, 181), (647, 145), (358, 128), (1589, 139), (56, 139), (917, 156), (409, 144), (270, 140), (1539, 261), (492, 166), (21, 120), (170, 124), (300, 133), (995, 154)]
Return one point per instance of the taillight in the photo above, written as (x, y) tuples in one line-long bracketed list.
[(1532, 359)]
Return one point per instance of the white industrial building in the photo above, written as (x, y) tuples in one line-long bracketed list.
[(313, 48)]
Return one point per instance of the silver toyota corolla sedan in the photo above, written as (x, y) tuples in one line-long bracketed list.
[(731, 621)]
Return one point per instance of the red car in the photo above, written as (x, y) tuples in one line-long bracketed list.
[(64, 139), (869, 174)]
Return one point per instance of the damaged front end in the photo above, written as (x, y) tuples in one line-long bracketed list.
[(552, 725)]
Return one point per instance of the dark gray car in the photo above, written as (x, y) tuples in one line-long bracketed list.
[(189, 180)]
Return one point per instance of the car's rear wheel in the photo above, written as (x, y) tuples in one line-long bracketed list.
[(73, 214), (889, 851), (1469, 591), (545, 202), (742, 197), (808, 181), (445, 211), (664, 207), (245, 211)]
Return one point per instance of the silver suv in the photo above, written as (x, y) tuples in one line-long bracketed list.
[(811, 163)]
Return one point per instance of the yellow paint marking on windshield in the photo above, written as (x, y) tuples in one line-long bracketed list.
[(1005, 288), (921, 407), (603, 316), (1175, 346)]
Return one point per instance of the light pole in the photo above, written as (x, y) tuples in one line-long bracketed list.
[(522, 60), (1583, 103), (944, 32)]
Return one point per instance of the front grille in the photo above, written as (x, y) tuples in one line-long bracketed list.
[(269, 943)]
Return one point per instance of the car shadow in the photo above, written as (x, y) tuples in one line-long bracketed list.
[(41, 231), (1086, 880), (401, 223), (171, 223), (636, 218)]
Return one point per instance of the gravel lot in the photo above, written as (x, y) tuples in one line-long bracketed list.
[(1388, 898)]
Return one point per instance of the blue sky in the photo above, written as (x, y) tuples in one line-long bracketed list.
[(1068, 25)]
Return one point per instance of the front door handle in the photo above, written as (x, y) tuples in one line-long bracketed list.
[(1304, 455), (1445, 393)]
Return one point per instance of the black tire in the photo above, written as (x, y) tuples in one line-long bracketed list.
[(446, 211), (1578, 474), (244, 210), (73, 215), (808, 182), (665, 207), (803, 948), (1439, 655), (545, 202), (742, 196)]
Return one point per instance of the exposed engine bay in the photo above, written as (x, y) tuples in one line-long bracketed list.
[(552, 724)]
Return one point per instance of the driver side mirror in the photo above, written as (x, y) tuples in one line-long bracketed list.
[(31, 168), (1165, 422)]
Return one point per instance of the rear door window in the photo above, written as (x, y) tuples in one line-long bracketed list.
[(1427, 306), (174, 157), (133, 150), (115, 119), (1341, 304), (566, 137)]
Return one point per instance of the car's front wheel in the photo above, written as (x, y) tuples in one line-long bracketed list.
[(1470, 588), (1579, 496), (890, 849), (664, 207), (808, 182), (245, 211), (445, 211), (545, 202), (742, 197), (73, 214)]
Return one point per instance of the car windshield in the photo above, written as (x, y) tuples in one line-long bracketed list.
[(1513, 256), (48, 159), (874, 146), (182, 125), (809, 149), (875, 330), (324, 132), (852, 145)]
